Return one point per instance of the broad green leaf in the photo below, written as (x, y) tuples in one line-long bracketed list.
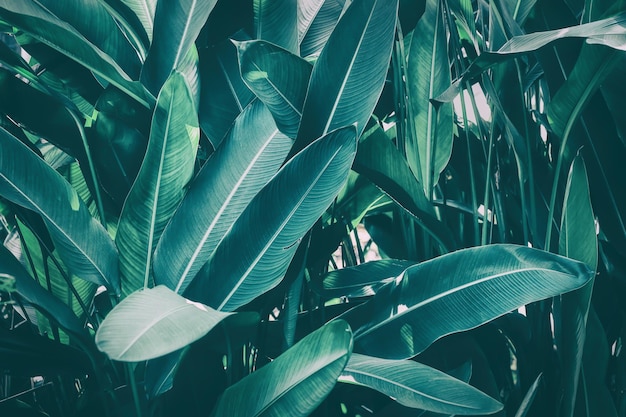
[(427, 76), (278, 78), (294, 383), (456, 292), (382, 163), (316, 21), (415, 385), (33, 293), (41, 24), (177, 24), (349, 75), (138, 13), (241, 166), (153, 322), (275, 21), (160, 185), (83, 244), (360, 281), (296, 197), (578, 241)]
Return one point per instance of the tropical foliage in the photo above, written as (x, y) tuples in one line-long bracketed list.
[(312, 207)]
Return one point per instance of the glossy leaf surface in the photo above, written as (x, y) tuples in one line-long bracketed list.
[(316, 21), (275, 21)]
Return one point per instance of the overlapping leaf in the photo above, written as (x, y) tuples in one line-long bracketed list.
[(316, 21), (275, 21)]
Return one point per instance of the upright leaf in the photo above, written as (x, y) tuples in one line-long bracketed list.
[(160, 185), (415, 385), (427, 73), (177, 24), (296, 196), (294, 383), (578, 241), (144, 10), (83, 244), (275, 21), (349, 74), (456, 292), (152, 323), (316, 21), (241, 166), (278, 78)]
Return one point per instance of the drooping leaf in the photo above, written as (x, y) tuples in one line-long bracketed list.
[(176, 26), (349, 75), (296, 196), (82, 242), (362, 280), (54, 32), (160, 184), (427, 76), (577, 240), (241, 166), (294, 383), (415, 385), (278, 78), (275, 21), (316, 21), (153, 322), (456, 292)]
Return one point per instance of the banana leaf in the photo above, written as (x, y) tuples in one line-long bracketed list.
[(275, 21), (456, 292), (316, 21), (136, 17), (160, 185), (294, 383), (83, 244), (296, 197), (241, 166)]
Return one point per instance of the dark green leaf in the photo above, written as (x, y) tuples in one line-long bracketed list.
[(296, 196), (527, 402), (241, 166), (456, 292), (153, 322), (415, 385), (294, 383), (82, 242), (275, 21), (160, 185), (316, 21)]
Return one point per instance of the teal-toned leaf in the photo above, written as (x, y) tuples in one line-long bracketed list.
[(415, 385), (577, 240), (241, 166), (316, 21), (278, 78), (142, 13), (83, 244), (382, 163), (456, 292), (160, 185), (294, 383), (362, 280), (36, 295), (297, 196), (349, 75), (427, 76), (41, 24), (177, 24), (275, 21), (529, 398), (153, 322)]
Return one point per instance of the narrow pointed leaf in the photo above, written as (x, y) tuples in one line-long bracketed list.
[(278, 78), (275, 21), (294, 383), (529, 398), (415, 385), (456, 292), (316, 21), (82, 242), (160, 184), (578, 241), (427, 72), (241, 166), (176, 26), (297, 196), (153, 322), (54, 32), (349, 75)]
